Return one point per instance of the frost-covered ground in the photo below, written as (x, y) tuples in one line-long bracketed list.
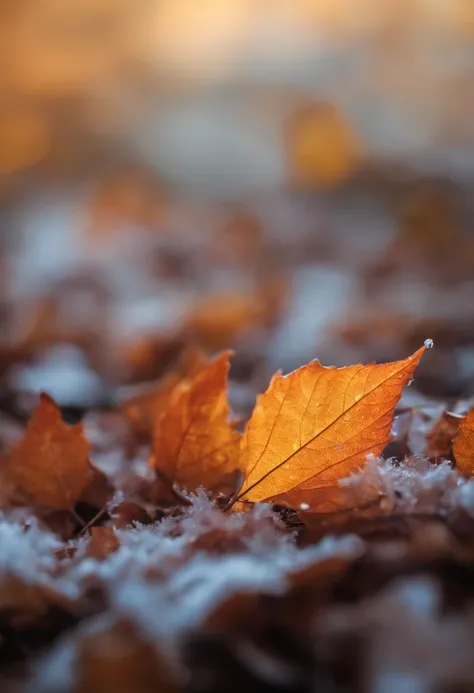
[(199, 95), (190, 576)]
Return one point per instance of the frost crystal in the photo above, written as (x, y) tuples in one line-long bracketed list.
[(415, 485), (26, 551), (188, 577)]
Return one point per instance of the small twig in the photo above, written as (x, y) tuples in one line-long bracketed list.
[(105, 509), (232, 500), (92, 522), (77, 517), (182, 499)]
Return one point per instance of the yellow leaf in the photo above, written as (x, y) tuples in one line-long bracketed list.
[(317, 424), (322, 148), (463, 447), (50, 465), (194, 442)]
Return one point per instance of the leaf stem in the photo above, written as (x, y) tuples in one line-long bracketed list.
[(77, 517)]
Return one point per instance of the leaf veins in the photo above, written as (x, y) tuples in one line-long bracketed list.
[(194, 442), (50, 465), (317, 424)]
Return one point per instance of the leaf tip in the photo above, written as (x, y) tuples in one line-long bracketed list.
[(427, 344), (45, 398)]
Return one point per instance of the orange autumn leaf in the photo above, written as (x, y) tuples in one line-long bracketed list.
[(194, 442), (50, 465), (317, 424), (463, 447)]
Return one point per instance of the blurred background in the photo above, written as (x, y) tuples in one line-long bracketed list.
[(289, 178)]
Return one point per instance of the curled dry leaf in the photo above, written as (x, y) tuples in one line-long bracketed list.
[(463, 447), (50, 465), (144, 408), (317, 424), (194, 442), (439, 441)]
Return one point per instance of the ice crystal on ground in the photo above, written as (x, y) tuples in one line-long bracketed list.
[(26, 551), (414, 484)]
